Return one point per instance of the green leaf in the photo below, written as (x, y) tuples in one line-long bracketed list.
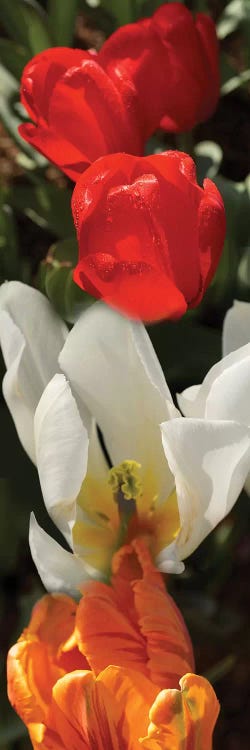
[(221, 669), (223, 289), (231, 79), (208, 158), (9, 113), (46, 205), (232, 15), (246, 28), (235, 82), (26, 24), (8, 94), (236, 196), (62, 16), (9, 263), (14, 57), (56, 280)]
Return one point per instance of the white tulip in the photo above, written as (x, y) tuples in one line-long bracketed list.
[(225, 391), (165, 477), (31, 336)]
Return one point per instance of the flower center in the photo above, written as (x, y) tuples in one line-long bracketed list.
[(125, 505), (126, 485)]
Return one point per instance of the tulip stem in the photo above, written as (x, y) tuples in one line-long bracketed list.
[(185, 142)]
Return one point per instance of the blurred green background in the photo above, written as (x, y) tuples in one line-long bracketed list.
[(37, 246)]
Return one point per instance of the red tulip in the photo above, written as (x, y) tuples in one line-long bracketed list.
[(172, 59), (79, 113), (149, 237)]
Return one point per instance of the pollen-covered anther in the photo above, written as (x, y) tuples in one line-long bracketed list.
[(125, 478)]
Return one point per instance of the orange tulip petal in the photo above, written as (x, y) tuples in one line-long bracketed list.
[(108, 713), (31, 676), (134, 624), (45, 650), (183, 719), (53, 620), (169, 652), (105, 634)]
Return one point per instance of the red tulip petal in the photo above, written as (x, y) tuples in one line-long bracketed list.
[(150, 237), (207, 32), (212, 230), (141, 293), (56, 149), (135, 51), (41, 74), (98, 122)]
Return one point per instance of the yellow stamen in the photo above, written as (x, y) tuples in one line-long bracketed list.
[(125, 478)]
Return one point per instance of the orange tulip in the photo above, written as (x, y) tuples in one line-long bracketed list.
[(45, 651), (62, 685), (134, 622)]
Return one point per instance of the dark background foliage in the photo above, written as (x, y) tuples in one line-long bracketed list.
[(37, 245)]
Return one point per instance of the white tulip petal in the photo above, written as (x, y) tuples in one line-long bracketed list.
[(168, 560), (193, 400), (247, 484), (236, 328), (190, 403), (31, 336), (210, 462), (43, 330), (229, 397), (113, 368), (19, 399), (97, 463), (59, 569), (61, 451)]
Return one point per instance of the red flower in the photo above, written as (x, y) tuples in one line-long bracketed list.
[(172, 59), (79, 113), (149, 237), (83, 105)]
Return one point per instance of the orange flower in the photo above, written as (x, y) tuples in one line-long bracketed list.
[(61, 684), (121, 710), (46, 650), (183, 719), (134, 622)]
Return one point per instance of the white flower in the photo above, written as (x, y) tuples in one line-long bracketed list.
[(31, 336), (173, 479), (236, 327), (225, 391)]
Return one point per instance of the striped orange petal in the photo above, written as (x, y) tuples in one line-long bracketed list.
[(135, 623), (183, 719), (106, 713), (43, 653)]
